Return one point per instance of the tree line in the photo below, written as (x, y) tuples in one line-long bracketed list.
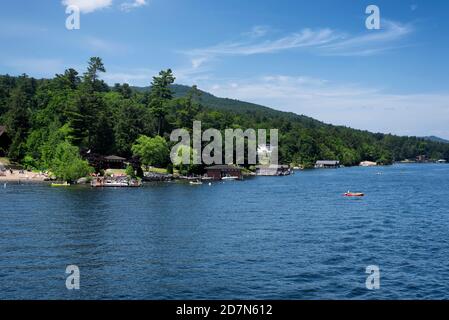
[(52, 121)]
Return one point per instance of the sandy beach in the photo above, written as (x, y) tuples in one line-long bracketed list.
[(26, 176)]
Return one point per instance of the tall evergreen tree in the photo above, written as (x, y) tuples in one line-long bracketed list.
[(160, 95)]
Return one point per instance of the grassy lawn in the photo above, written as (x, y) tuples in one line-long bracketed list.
[(4, 161), (158, 170), (116, 171)]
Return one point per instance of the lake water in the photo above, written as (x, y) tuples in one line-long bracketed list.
[(291, 237)]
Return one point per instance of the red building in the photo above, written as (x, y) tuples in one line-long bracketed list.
[(219, 172)]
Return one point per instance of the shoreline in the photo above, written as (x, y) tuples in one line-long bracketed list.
[(17, 177)]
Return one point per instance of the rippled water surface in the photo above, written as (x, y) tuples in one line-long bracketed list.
[(291, 237)]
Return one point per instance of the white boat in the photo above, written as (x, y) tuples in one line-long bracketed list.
[(229, 178), (101, 183), (116, 184), (195, 182)]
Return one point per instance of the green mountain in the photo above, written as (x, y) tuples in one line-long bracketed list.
[(214, 102), (233, 105), (436, 139)]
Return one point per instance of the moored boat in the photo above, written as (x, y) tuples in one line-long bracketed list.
[(123, 183), (229, 178)]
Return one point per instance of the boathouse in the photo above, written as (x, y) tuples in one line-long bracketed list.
[(5, 141), (114, 162), (218, 172), (273, 170), (327, 164)]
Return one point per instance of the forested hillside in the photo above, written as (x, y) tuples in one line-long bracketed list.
[(49, 120)]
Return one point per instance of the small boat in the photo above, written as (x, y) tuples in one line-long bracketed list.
[(65, 184), (102, 183), (354, 194), (116, 184), (195, 182), (229, 178)]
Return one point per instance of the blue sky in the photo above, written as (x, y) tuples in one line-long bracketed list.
[(310, 57)]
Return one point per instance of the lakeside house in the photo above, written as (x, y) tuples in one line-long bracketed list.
[(5, 141), (114, 162), (327, 164), (273, 170), (219, 172), (422, 159), (101, 162)]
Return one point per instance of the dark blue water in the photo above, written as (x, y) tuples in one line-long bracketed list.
[(291, 237)]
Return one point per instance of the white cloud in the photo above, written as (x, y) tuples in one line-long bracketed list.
[(257, 32), (343, 104), (321, 41), (372, 42), (303, 39), (128, 6), (88, 6), (135, 77)]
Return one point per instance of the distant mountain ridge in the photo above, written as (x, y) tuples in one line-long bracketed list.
[(436, 139), (237, 106)]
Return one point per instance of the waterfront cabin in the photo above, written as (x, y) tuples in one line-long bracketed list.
[(422, 159), (219, 172), (114, 162), (273, 170), (327, 164), (5, 141)]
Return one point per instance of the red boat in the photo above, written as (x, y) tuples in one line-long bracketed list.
[(354, 194)]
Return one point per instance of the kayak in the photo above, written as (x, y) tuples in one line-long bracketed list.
[(65, 184), (354, 194)]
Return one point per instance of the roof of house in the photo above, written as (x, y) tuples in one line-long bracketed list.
[(223, 167), (328, 162), (116, 158)]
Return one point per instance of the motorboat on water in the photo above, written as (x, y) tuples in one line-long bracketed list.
[(354, 194), (196, 182)]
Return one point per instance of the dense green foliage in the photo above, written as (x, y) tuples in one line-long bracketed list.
[(46, 117), (152, 151), (67, 163)]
